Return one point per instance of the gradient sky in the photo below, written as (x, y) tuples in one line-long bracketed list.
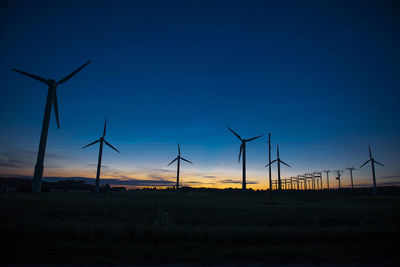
[(322, 76)]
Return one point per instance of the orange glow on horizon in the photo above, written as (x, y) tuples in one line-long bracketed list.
[(221, 180)]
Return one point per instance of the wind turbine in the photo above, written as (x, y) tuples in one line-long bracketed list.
[(51, 100), (179, 158), (243, 150), (351, 176), (373, 161), (279, 161), (327, 177), (101, 140)]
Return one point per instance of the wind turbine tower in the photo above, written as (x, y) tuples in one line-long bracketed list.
[(178, 158), (351, 176), (243, 150), (279, 161), (373, 161), (102, 141), (50, 101)]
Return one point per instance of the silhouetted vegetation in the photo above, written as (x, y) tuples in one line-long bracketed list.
[(12, 184), (158, 226)]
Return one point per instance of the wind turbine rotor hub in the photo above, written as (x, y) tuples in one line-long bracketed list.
[(52, 83)]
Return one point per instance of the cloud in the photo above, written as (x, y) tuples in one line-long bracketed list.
[(196, 182), (391, 177), (209, 176), (388, 183), (162, 170), (229, 181), (15, 160), (136, 182), (379, 184), (14, 163), (111, 181), (34, 154), (25, 159), (157, 176), (102, 166)]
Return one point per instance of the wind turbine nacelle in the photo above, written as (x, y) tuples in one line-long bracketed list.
[(52, 83)]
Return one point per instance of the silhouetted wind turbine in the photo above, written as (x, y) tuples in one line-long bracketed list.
[(179, 158), (278, 159), (373, 161), (101, 140), (51, 100), (351, 176), (243, 150)]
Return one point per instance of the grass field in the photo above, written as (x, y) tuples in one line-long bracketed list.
[(160, 227)]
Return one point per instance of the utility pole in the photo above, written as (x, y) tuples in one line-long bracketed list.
[(318, 177), (308, 177), (302, 178), (351, 176), (327, 177), (313, 181), (338, 173)]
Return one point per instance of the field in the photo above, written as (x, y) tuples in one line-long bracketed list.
[(160, 227)]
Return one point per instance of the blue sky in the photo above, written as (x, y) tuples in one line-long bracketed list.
[(321, 76)]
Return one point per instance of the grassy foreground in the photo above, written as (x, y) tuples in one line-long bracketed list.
[(155, 227)]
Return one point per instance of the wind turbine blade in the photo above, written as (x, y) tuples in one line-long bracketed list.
[(286, 164), (179, 149), (37, 78), (172, 161), (270, 163), (238, 136), (66, 78), (365, 163), (240, 152), (55, 104), (91, 143), (251, 139), (111, 146), (378, 163), (186, 160), (105, 128)]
